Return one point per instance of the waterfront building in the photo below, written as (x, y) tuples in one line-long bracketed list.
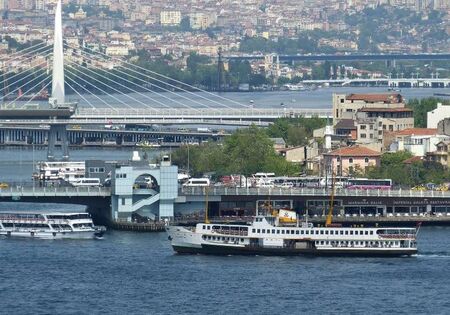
[(349, 160)]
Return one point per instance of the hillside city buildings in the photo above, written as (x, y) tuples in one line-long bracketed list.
[(176, 28)]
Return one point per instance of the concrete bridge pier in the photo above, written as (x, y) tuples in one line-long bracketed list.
[(53, 133)]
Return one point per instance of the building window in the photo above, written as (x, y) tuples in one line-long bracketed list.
[(391, 128), (350, 160), (363, 135), (366, 160), (380, 132), (363, 127), (123, 201), (371, 136), (338, 158), (342, 100), (371, 127)]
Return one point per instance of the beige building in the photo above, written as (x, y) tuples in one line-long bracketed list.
[(116, 50), (200, 20), (168, 18), (441, 153), (346, 106)]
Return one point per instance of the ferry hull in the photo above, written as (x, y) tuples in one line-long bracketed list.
[(252, 251), (52, 235)]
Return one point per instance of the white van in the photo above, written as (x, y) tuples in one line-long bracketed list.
[(197, 182), (87, 182)]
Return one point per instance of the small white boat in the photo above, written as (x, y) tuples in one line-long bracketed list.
[(50, 225)]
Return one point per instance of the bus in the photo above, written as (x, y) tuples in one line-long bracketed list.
[(365, 183)]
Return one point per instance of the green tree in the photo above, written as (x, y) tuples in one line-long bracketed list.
[(422, 107)]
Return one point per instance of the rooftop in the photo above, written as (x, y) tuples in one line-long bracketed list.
[(376, 98), (354, 151), (386, 110), (345, 124), (416, 132)]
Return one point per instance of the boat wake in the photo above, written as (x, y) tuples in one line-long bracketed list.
[(433, 255)]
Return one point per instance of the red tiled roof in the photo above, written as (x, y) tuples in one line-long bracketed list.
[(417, 132), (412, 160), (372, 98), (354, 151), (385, 110)]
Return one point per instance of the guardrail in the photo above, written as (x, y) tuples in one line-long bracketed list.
[(201, 112), (24, 191), (222, 191)]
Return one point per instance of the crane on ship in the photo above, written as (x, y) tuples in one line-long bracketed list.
[(328, 221)]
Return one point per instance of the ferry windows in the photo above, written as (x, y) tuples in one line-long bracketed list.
[(204, 227), (346, 232), (321, 232), (264, 231), (367, 233), (242, 240), (371, 232), (268, 231), (326, 232), (258, 231), (307, 232), (273, 231), (209, 228), (282, 231), (351, 232), (297, 232), (253, 230), (278, 231)]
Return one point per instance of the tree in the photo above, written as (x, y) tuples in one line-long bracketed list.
[(422, 107)]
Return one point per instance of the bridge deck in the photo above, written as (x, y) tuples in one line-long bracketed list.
[(390, 193)]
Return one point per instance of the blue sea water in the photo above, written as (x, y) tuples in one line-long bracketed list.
[(132, 273)]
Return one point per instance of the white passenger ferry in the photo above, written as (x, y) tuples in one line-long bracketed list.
[(51, 225), (266, 235)]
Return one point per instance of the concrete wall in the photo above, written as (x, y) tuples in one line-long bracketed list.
[(438, 114)]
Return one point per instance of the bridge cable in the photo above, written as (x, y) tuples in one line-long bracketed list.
[(32, 49), (93, 94), (46, 50), (171, 85), (19, 73), (149, 90), (96, 87), (39, 92), (87, 101), (34, 86), (105, 77), (27, 82)]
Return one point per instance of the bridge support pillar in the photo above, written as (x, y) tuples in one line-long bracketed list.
[(53, 137)]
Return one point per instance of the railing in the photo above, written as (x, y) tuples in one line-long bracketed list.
[(203, 112), (221, 191), (24, 191)]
